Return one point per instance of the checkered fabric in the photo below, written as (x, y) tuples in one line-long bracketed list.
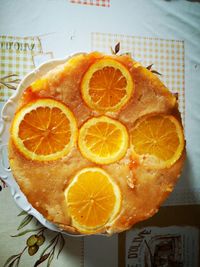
[(16, 57), (102, 3), (167, 57)]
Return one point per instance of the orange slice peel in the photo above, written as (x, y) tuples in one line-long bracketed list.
[(103, 140), (44, 130), (93, 200), (107, 85), (157, 140)]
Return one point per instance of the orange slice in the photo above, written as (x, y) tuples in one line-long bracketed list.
[(107, 85), (158, 140), (44, 130), (93, 200), (103, 140)]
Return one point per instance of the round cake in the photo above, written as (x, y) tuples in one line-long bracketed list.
[(97, 144)]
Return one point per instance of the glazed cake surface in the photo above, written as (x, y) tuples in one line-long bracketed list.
[(143, 189)]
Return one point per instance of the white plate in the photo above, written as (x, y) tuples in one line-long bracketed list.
[(6, 116)]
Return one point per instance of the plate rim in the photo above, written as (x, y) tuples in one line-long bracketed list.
[(6, 115)]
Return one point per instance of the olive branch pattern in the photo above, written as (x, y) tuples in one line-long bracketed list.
[(34, 242), (116, 50), (2, 184), (10, 81)]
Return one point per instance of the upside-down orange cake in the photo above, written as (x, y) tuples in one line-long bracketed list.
[(97, 144)]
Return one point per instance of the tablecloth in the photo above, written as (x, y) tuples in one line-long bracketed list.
[(163, 33)]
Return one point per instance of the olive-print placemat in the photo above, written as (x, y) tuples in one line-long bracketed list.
[(25, 242), (167, 57), (16, 60)]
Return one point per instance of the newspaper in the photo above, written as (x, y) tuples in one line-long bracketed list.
[(172, 246)]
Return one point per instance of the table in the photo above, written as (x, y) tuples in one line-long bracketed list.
[(34, 31)]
